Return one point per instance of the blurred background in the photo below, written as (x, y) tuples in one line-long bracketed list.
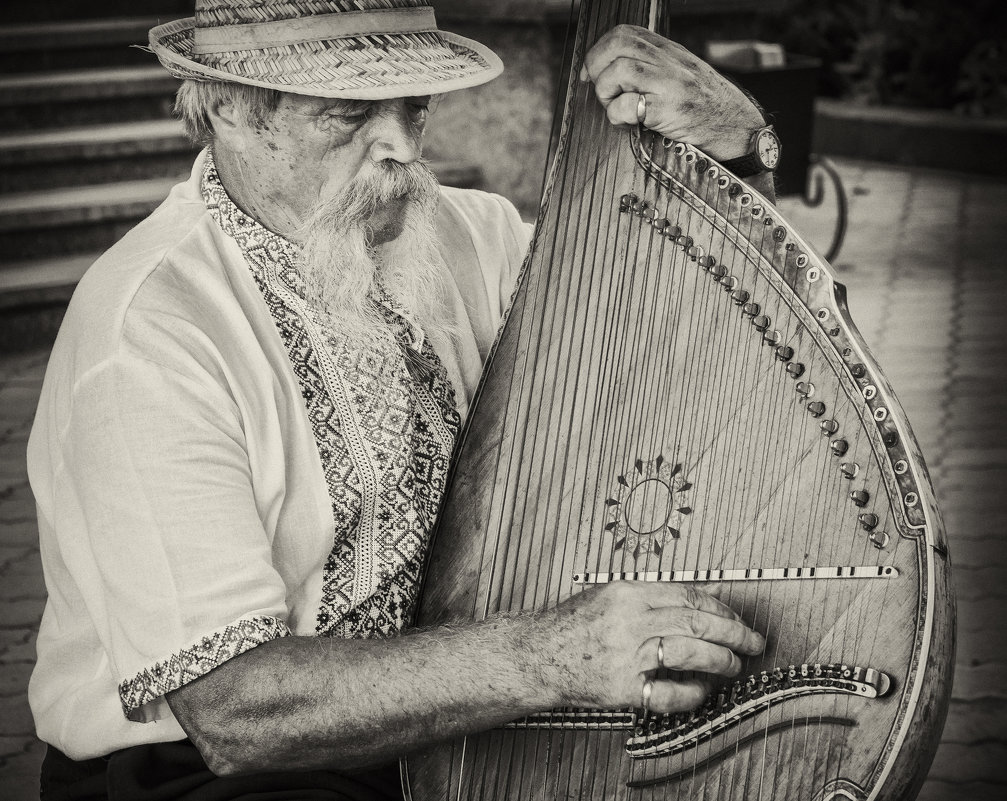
[(893, 115)]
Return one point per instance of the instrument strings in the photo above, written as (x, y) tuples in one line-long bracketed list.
[(643, 396)]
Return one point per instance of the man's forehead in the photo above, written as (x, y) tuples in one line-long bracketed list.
[(316, 105)]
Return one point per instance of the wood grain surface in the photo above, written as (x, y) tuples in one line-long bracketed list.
[(679, 387)]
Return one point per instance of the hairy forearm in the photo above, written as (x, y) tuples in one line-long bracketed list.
[(305, 702), (302, 703)]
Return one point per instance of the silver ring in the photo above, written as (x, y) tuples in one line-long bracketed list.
[(648, 689), (641, 108), (660, 653)]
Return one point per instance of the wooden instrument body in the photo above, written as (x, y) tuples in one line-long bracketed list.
[(639, 416)]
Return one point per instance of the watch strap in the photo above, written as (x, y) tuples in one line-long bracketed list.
[(744, 166), (750, 164)]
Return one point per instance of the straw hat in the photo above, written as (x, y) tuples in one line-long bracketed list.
[(360, 49)]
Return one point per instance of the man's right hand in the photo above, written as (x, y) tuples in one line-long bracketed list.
[(317, 702), (602, 644)]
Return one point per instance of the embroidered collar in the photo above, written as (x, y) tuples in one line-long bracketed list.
[(285, 254), (384, 419)]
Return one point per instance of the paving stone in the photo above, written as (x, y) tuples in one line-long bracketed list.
[(17, 586), (22, 612), (15, 716), (12, 480), (974, 583), (970, 489), (981, 551), (19, 398), (977, 615), (940, 790), (978, 275), (20, 772), (974, 516), (988, 648), (979, 681), (969, 763), (14, 678), (977, 316), (983, 409), (977, 547), (12, 553), (27, 361), (979, 458), (976, 721), (17, 644), (12, 746), (917, 349), (22, 562), (974, 542), (18, 524)]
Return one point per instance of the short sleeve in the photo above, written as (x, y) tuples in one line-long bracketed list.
[(485, 243), (516, 236), (158, 523)]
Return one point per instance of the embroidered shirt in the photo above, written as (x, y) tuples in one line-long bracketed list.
[(213, 469), (384, 438)]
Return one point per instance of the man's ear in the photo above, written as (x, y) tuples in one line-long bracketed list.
[(229, 126)]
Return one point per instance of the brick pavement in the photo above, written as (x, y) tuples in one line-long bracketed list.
[(922, 264), (22, 593)]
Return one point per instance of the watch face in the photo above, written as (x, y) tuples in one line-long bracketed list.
[(767, 148)]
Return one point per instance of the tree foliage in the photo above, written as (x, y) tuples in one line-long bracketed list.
[(926, 53)]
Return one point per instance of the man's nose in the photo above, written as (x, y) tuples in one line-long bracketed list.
[(398, 134)]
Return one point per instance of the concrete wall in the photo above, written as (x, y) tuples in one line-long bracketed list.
[(503, 126)]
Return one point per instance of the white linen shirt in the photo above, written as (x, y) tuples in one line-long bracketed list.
[(184, 515)]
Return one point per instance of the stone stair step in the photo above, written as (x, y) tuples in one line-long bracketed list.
[(37, 36), (85, 172), (51, 208), (77, 97), (92, 141), (93, 154), (91, 84), (33, 297), (34, 46), (56, 10), (57, 222), (42, 280)]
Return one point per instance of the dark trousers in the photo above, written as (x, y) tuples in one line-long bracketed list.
[(176, 772)]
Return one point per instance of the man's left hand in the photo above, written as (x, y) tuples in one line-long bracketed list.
[(686, 99)]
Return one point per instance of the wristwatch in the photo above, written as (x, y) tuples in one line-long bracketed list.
[(764, 156)]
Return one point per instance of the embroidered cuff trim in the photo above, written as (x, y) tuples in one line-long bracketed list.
[(197, 660)]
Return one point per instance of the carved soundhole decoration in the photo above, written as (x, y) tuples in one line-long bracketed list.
[(649, 506)]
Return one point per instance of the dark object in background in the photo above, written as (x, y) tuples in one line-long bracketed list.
[(787, 94)]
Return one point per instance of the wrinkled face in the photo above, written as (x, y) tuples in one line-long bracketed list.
[(344, 179), (311, 148)]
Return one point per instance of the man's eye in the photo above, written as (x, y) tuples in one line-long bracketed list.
[(349, 117), (354, 118)]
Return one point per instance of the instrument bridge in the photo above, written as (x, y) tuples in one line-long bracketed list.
[(668, 734), (664, 735), (744, 574)]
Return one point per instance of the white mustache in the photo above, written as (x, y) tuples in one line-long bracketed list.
[(366, 193), (341, 267)]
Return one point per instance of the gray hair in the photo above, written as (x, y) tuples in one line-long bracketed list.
[(196, 99)]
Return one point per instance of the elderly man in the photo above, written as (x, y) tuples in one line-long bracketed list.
[(246, 422)]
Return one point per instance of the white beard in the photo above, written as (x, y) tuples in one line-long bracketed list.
[(342, 269)]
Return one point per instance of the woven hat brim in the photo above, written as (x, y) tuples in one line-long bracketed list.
[(331, 69)]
